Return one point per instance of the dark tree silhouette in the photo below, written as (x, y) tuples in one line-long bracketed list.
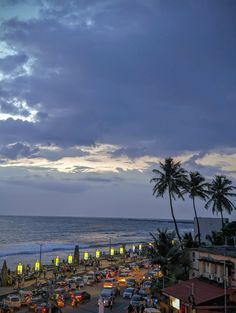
[(221, 191), (197, 188), (171, 179)]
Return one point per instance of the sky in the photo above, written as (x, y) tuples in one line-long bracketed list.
[(95, 93)]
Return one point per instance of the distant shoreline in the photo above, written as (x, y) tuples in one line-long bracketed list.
[(187, 221)]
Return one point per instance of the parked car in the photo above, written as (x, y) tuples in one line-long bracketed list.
[(79, 296), (110, 282), (122, 278), (78, 281), (131, 282), (106, 297), (136, 300), (42, 307), (6, 309), (91, 278), (25, 296), (143, 293), (34, 302), (128, 293), (12, 301)]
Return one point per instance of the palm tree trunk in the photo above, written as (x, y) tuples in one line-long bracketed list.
[(198, 226), (173, 216), (222, 219)]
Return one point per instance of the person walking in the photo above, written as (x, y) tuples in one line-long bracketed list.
[(111, 304), (100, 306), (130, 308), (142, 307)]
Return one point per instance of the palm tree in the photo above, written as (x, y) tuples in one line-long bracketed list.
[(220, 190), (169, 254), (197, 188), (172, 179)]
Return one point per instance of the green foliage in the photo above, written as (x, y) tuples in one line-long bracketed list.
[(165, 251), (226, 236), (189, 242)]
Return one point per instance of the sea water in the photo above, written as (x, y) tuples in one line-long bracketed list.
[(21, 236)]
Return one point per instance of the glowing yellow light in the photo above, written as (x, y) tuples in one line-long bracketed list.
[(19, 269), (98, 254), (133, 248), (112, 252), (175, 303), (57, 261), (37, 266), (70, 259), (86, 255), (121, 250), (140, 247)]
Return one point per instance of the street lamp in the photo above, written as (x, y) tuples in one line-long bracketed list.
[(140, 247)]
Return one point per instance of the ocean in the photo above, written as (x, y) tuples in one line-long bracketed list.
[(21, 236)]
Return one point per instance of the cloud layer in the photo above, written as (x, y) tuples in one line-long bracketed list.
[(109, 88)]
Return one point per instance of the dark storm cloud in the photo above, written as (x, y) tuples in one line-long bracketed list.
[(18, 149), (125, 72)]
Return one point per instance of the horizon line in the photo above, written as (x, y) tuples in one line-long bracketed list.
[(102, 217)]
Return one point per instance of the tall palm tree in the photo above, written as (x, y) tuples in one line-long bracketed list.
[(197, 188), (172, 179), (220, 190)]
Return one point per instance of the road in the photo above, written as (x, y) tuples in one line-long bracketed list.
[(119, 306)]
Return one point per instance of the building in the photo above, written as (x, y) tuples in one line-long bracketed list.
[(193, 296), (216, 264), (212, 283), (207, 226)]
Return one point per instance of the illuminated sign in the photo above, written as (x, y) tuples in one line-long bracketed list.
[(70, 259), (175, 303), (19, 268), (37, 266), (112, 252), (57, 261), (86, 255)]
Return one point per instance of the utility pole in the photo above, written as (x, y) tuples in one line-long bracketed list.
[(225, 282), (40, 253)]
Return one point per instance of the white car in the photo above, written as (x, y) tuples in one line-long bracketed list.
[(13, 301), (78, 281), (128, 293)]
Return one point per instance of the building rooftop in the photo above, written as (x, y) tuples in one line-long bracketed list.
[(229, 251), (201, 291)]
